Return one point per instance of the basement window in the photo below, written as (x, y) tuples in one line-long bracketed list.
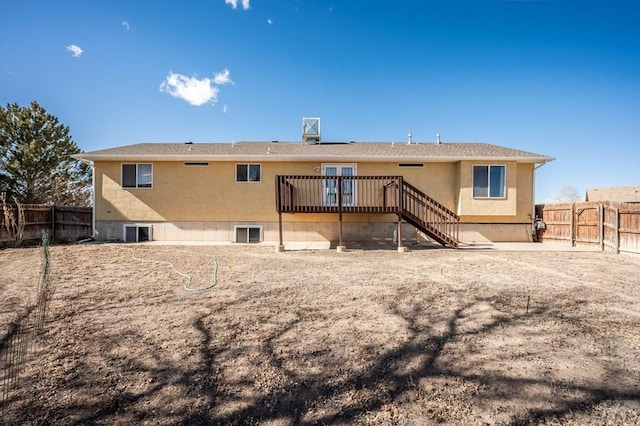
[(135, 233), (248, 233), (411, 165), (196, 164)]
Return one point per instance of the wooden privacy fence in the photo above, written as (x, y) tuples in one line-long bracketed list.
[(606, 225), (60, 222)]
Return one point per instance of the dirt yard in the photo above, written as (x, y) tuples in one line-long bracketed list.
[(319, 337)]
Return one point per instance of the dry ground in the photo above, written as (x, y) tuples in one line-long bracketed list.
[(318, 337)]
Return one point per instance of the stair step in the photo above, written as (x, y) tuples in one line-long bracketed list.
[(413, 197)]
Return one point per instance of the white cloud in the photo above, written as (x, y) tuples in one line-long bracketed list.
[(125, 24), (196, 92), (234, 4), (191, 89), (225, 109), (75, 50), (222, 77)]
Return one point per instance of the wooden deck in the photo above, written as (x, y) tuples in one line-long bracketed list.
[(366, 194), (338, 194)]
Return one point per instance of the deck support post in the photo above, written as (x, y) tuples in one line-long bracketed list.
[(401, 248), (332, 194), (280, 247), (341, 247)]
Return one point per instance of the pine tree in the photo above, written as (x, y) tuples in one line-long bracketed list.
[(35, 159)]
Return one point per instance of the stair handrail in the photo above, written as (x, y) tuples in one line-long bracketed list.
[(447, 230)]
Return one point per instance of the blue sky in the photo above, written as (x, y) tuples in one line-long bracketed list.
[(557, 77)]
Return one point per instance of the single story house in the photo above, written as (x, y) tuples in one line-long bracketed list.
[(624, 194), (314, 191)]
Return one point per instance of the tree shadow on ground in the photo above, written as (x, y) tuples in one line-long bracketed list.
[(206, 394), (293, 402)]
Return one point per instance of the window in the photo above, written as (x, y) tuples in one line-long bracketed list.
[(488, 181), (137, 175), (247, 172), (248, 233), (136, 233)]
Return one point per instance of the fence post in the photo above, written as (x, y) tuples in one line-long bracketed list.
[(601, 225), (53, 223), (617, 230), (21, 220), (572, 224)]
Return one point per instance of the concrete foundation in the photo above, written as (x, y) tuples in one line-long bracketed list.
[(311, 231)]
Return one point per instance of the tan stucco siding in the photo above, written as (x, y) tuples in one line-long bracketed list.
[(112, 202), (193, 203), (514, 207), (211, 193), (526, 200), (182, 193), (438, 180)]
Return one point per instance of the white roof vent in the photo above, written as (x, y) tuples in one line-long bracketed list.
[(311, 130)]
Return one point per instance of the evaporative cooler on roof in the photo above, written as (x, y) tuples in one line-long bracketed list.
[(310, 130)]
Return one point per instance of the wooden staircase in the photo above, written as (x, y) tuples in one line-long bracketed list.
[(366, 194), (429, 216)]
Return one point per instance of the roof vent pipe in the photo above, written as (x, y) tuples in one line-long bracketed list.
[(438, 138), (410, 136)]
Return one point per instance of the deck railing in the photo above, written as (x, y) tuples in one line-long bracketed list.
[(423, 211), (335, 194), (367, 194)]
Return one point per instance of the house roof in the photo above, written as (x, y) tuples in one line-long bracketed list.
[(626, 194), (325, 151)]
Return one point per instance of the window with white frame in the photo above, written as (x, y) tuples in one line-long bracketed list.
[(248, 172), (137, 175), (489, 181), (248, 233)]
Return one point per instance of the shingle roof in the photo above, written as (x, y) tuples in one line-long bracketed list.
[(325, 151), (627, 194)]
